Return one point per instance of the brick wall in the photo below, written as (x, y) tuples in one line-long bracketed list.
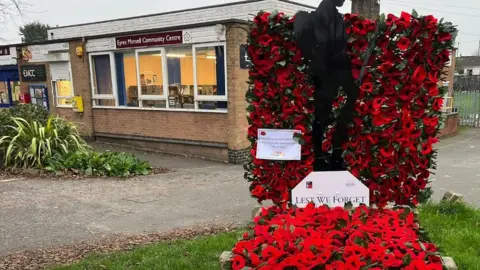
[(367, 8), (237, 85), (450, 125), (214, 135), (191, 126), (451, 72), (25, 86), (81, 87)]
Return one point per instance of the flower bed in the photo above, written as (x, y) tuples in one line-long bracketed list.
[(397, 115), (338, 238)]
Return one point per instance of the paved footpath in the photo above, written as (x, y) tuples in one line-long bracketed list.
[(39, 213), (458, 166)]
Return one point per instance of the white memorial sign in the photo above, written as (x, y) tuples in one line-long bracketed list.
[(335, 188), (278, 144)]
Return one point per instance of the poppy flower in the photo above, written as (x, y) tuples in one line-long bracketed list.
[(361, 45), (403, 43), (367, 87), (238, 262), (360, 28), (437, 104), (419, 75), (426, 148), (430, 22)]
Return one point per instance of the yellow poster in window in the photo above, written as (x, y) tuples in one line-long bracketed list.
[(64, 89)]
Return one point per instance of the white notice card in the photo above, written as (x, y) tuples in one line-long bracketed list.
[(278, 144)]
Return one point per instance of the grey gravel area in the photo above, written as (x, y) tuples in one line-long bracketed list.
[(43, 213), (458, 166)]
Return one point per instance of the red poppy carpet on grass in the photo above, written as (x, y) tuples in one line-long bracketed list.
[(396, 121)]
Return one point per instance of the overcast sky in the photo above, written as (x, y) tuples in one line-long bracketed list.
[(464, 13)]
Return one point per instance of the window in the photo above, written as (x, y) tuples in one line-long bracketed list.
[(5, 94), (103, 79), (210, 77), (126, 68), (150, 78), (62, 83), (174, 77), (63, 92), (181, 88)]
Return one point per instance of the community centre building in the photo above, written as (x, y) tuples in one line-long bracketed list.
[(173, 82)]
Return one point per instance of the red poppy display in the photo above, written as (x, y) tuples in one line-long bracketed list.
[(337, 238), (396, 116)]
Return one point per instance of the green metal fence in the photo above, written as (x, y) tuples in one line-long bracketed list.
[(467, 104)]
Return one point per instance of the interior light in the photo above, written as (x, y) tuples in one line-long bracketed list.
[(176, 55), (211, 57)]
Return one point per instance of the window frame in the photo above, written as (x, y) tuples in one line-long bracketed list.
[(198, 97), (57, 96), (113, 77), (162, 50), (163, 56)]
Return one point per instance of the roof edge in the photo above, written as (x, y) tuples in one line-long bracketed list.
[(116, 34), (165, 13), (182, 10), (296, 3)]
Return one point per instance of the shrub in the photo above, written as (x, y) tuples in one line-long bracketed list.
[(34, 143), (100, 164), (28, 112)]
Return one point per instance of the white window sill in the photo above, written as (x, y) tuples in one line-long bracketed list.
[(161, 109), (64, 106)]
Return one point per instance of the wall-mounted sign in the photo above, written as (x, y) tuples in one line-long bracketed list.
[(334, 188), (278, 144), (64, 46), (172, 101), (156, 39), (4, 51), (33, 73), (245, 62)]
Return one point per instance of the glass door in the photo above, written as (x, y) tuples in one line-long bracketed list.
[(15, 91), (5, 94)]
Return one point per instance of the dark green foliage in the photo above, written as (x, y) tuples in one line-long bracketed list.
[(34, 32), (100, 164), (29, 112), (33, 144)]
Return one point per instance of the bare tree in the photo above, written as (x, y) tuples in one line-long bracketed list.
[(11, 9)]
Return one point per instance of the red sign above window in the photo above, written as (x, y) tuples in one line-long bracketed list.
[(156, 39)]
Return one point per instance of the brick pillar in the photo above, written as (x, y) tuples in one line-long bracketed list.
[(238, 145), (81, 86), (367, 8), (451, 72)]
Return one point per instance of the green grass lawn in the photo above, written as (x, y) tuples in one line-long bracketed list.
[(200, 254), (454, 227)]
